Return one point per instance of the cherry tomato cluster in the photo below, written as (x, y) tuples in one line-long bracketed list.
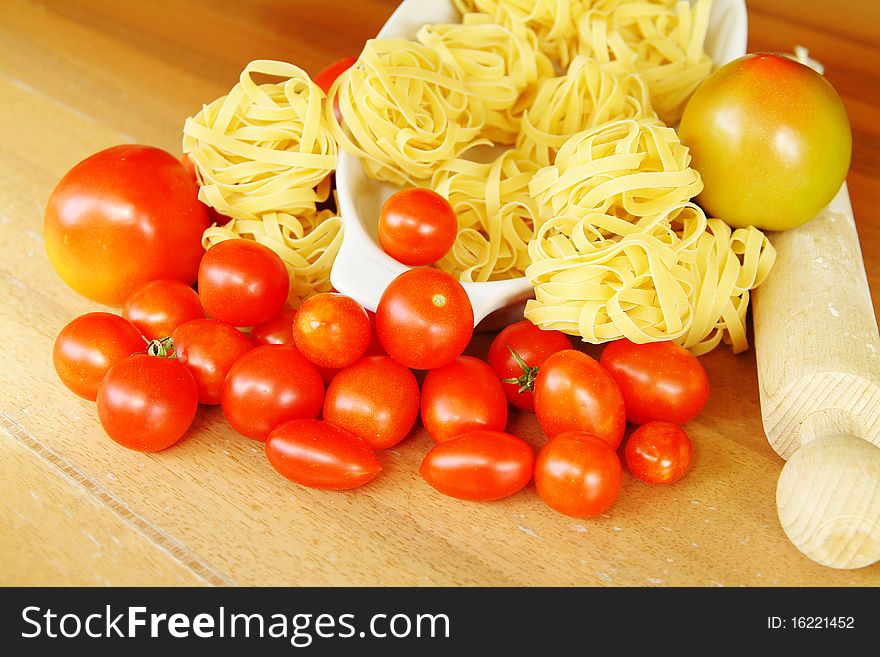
[(327, 385)]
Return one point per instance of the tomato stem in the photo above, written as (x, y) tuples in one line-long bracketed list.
[(526, 380), (163, 348)]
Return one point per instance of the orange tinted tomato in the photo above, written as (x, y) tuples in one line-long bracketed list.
[(417, 226), (658, 380), (578, 474), (771, 140), (658, 453), (462, 396), (317, 454), (89, 346), (424, 319), (122, 217), (147, 403), (479, 465), (376, 398), (159, 307), (574, 392), (331, 330), (209, 349)]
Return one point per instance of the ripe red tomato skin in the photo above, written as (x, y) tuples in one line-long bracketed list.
[(331, 330), (480, 465), (275, 330), (658, 453), (424, 319), (376, 399), (318, 454), (160, 306), (122, 217), (209, 348), (147, 403), (574, 392), (534, 345), (578, 474), (242, 282), (462, 396), (659, 380), (88, 346), (268, 386), (327, 76), (417, 226)]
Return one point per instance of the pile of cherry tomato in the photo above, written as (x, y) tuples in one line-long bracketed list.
[(328, 385)]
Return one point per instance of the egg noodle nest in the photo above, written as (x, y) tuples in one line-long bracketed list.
[(545, 123)]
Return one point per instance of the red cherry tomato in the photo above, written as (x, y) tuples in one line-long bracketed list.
[(147, 403), (578, 474), (658, 453), (327, 76), (209, 348), (268, 386), (480, 465), (533, 346), (424, 319), (659, 380), (462, 396), (122, 217), (317, 454), (417, 226), (275, 330), (159, 307), (242, 282), (331, 330), (376, 399), (89, 346), (574, 392)]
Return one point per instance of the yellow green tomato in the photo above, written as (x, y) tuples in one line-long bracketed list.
[(771, 140)]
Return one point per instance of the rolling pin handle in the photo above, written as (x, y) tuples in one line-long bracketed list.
[(828, 497)]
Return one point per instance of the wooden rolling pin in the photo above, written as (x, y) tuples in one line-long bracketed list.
[(818, 356)]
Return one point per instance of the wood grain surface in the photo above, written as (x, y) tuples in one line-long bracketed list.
[(80, 75)]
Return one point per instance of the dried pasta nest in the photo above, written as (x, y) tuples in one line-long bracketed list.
[(621, 252), (496, 216), (502, 66), (264, 156), (406, 110)]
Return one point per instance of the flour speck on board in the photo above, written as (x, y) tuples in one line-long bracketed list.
[(870, 347), (528, 530), (654, 580), (578, 528), (834, 312), (605, 577)]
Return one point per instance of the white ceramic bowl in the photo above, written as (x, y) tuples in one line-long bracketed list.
[(363, 270)]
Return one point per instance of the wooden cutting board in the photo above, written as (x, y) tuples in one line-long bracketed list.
[(80, 75)]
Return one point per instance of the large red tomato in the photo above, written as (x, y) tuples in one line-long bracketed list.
[(122, 217), (770, 138)]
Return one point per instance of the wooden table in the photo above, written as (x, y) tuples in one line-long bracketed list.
[(80, 75)]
